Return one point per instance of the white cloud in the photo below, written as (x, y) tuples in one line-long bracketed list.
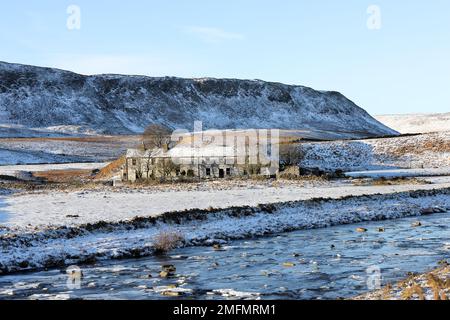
[(212, 35)]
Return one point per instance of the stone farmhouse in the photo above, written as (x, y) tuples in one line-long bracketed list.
[(205, 162)]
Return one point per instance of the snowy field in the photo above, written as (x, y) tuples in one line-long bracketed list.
[(11, 170), (90, 206), (416, 123), (8, 156), (64, 150)]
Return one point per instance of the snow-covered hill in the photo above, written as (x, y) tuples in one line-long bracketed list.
[(43, 100), (417, 123), (430, 150)]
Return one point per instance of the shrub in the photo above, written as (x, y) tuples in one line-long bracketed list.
[(167, 240)]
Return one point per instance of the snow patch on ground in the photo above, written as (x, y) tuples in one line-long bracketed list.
[(30, 151), (11, 170)]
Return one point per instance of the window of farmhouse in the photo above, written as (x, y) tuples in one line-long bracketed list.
[(133, 162), (228, 171), (208, 171)]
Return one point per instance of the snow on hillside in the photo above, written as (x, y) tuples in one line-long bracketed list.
[(421, 151), (25, 157), (417, 123), (30, 151), (50, 99)]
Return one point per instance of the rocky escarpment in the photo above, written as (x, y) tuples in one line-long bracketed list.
[(35, 100)]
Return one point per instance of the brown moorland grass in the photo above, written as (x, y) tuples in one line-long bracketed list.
[(389, 181), (111, 169), (432, 285), (65, 176), (434, 144)]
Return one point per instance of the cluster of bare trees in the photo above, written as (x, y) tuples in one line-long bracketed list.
[(150, 168), (291, 154), (156, 136), (166, 167)]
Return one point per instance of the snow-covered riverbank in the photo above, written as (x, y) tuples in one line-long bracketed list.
[(400, 173), (55, 246), (325, 263)]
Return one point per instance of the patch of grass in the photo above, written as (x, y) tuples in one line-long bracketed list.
[(398, 181), (64, 175), (389, 181), (415, 290), (438, 286), (111, 168), (306, 178), (433, 144), (435, 284), (386, 292)]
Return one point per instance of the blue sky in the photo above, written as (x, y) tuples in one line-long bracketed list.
[(403, 67)]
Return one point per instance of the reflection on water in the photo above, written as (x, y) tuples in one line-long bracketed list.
[(313, 264)]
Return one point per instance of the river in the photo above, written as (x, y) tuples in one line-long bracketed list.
[(328, 263)]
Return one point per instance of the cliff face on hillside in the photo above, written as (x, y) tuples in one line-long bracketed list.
[(35, 99)]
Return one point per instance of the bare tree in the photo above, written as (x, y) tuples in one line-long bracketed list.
[(139, 173), (291, 154), (253, 169), (149, 165), (156, 136), (166, 167)]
